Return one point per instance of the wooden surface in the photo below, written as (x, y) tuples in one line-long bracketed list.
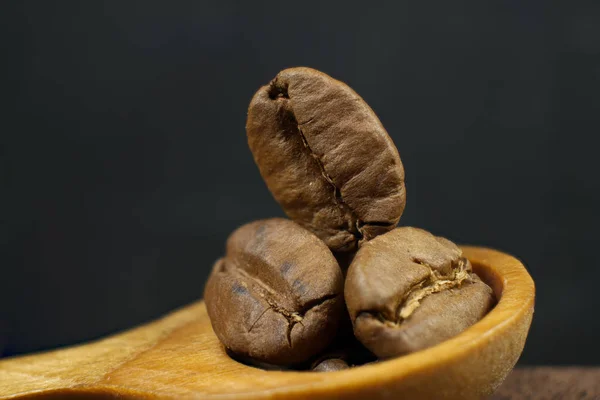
[(551, 383), (179, 356)]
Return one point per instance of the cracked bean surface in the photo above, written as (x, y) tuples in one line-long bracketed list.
[(408, 290), (276, 296), (326, 157)]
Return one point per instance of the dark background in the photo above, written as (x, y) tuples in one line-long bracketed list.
[(125, 166)]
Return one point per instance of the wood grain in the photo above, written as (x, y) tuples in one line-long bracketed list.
[(179, 356)]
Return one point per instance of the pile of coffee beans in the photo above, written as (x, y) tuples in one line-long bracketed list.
[(338, 284)]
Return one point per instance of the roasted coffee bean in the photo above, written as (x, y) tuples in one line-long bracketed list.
[(408, 290), (276, 296), (333, 359), (344, 347), (331, 364), (326, 157)]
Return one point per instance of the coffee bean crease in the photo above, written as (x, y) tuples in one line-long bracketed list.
[(354, 223)]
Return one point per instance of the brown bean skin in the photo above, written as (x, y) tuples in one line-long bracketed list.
[(408, 290), (276, 296), (326, 158)]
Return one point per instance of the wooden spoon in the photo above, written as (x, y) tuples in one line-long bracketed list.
[(179, 356)]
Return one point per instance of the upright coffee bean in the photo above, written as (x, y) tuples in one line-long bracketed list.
[(276, 296), (408, 290), (326, 157)]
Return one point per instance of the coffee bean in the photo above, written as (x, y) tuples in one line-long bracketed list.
[(331, 364), (326, 157), (346, 348), (408, 290), (276, 296)]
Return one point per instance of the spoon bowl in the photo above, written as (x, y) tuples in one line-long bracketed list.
[(179, 356)]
